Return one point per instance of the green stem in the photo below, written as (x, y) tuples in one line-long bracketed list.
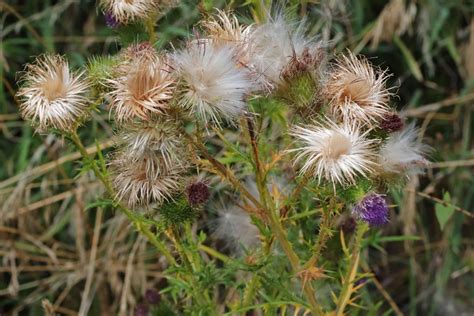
[(348, 281), (325, 232), (275, 223), (150, 28), (157, 243), (250, 290), (145, 229), (214, 253), (201, 295), (294, 261)]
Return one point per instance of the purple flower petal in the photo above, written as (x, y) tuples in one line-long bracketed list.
[(373, 209)]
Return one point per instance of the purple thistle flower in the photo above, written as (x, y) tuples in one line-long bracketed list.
[(372, 209), (197, 193), (152, 297), (392, 123), (110, 20), (141, 310)]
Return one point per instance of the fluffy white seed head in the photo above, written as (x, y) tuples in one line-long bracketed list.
[(139, 185), (235, 228), (402, 153), (212, 87), (52, 96), (142, 87), (127, 11), (356, 90), (273, 45), (336, 153)]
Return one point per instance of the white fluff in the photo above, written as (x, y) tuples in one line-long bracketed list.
[(336, 153), (402, 152), (213, 87), (235, 228), (273, 44)]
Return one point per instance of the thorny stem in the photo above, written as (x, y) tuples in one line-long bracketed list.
[(280, 234), (348, 281), (269, 207), (145, 229), (254, 282), (250, 290), (324, 234), (275, 223), (193, 267)]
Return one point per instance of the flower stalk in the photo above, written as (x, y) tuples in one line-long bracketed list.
[(350, 276), (275, 223)]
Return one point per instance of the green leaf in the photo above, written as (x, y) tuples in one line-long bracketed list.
[(444, 211)]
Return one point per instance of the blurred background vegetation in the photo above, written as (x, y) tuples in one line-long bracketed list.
[(56, 248)]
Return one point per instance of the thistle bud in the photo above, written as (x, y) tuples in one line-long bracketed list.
[(177, 212), (372, 209), (302, 64)]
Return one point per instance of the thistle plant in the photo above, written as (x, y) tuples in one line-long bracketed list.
[(237, 154)]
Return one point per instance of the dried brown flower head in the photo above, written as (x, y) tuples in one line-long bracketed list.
[(224, 29), (53, 96), (157, 142), (127, 11), (356, 90), (138, 51), (137, 185), (142, 87)]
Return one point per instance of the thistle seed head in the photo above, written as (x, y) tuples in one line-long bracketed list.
[(52, 96)]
